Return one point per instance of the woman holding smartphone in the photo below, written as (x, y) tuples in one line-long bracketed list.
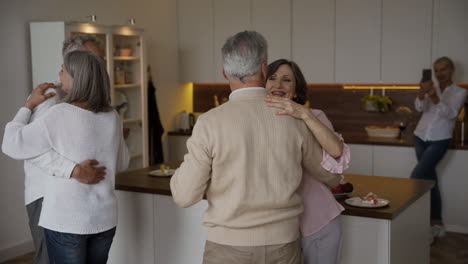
[(439, 106)]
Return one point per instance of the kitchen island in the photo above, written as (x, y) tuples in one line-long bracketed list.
[(152, 229)]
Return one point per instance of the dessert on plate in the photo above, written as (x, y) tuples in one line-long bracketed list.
[(370, 198)]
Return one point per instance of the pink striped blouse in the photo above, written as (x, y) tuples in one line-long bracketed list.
[(320, 206)]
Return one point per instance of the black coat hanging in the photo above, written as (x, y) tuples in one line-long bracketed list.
[(155, 128)]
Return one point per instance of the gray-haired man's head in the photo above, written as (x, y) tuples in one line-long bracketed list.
[(243, 54), (82, 42)]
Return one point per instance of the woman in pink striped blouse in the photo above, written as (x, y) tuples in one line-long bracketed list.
[(320, 222)]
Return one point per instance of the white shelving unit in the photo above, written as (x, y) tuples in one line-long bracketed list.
[(127, 73)]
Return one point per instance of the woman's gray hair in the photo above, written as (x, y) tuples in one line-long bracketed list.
[(89, 81), (244, 53), (76, 42)]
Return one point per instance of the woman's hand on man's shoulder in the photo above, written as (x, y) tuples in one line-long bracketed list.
[(39, 95)]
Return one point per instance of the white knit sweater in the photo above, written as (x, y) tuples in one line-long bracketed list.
[(77, 134)]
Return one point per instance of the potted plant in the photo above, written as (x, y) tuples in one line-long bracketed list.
[(376, 103)]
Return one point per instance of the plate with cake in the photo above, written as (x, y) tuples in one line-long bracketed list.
[(369, 201), (164, 171)]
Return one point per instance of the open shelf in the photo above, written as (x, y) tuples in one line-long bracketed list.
[(131, 120), (126, 58), (127, 86), (127, 73), (136, 155)]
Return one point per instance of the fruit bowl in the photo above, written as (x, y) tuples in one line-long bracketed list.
[(342, 190)]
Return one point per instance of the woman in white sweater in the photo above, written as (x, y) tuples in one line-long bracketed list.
[(79, 219)]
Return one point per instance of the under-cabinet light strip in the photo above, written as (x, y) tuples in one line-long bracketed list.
[(380, 87)]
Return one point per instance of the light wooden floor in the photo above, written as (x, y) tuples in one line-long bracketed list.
[(450, 249)]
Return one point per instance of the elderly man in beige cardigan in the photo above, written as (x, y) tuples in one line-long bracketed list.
[(248, 161)]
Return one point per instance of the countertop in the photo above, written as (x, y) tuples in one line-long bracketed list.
[(406, 141), (359, 138), (401, 192)]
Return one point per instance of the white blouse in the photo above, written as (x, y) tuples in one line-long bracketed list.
[(438, 120), (50, 163)]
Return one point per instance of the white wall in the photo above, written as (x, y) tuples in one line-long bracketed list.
[(157, 17)]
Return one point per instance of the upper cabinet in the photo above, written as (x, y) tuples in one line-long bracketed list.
[(230, 17), (451, 34), (313, 39), (196, 57), (406, 40), (345, 41), (272, 18), (358, 41)]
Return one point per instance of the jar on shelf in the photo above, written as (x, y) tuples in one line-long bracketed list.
[(119, 75), (128, 77), (116, 50)]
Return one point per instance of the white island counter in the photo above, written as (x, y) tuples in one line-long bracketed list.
[(152, 229)]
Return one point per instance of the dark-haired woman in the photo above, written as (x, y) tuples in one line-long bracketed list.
[(320, 222)]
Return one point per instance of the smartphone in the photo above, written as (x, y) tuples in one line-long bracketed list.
[(426, 75)]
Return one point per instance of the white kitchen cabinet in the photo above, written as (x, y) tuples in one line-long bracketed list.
[(272, 18), (46, 51), (450, 36), (345, 41), (453, 181), (230, 17), (361, 159), (393, 161), (406, 40), (133, 241), (313, 39), (127, 72), (381, 241), (153, 229), (179, 233), (196, 56), (358, 41)]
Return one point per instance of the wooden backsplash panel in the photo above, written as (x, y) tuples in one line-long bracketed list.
[(342, 106), (203, 95)]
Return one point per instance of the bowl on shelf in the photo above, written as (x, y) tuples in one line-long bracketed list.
[(125, 52), (383, 131)]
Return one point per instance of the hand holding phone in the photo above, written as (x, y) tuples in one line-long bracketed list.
[(426, 75), (426, 81)]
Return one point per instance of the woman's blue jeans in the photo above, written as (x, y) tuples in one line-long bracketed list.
[(65, 248), (429, 153)]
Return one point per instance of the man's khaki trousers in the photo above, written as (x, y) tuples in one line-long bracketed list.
[(289, 253)]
